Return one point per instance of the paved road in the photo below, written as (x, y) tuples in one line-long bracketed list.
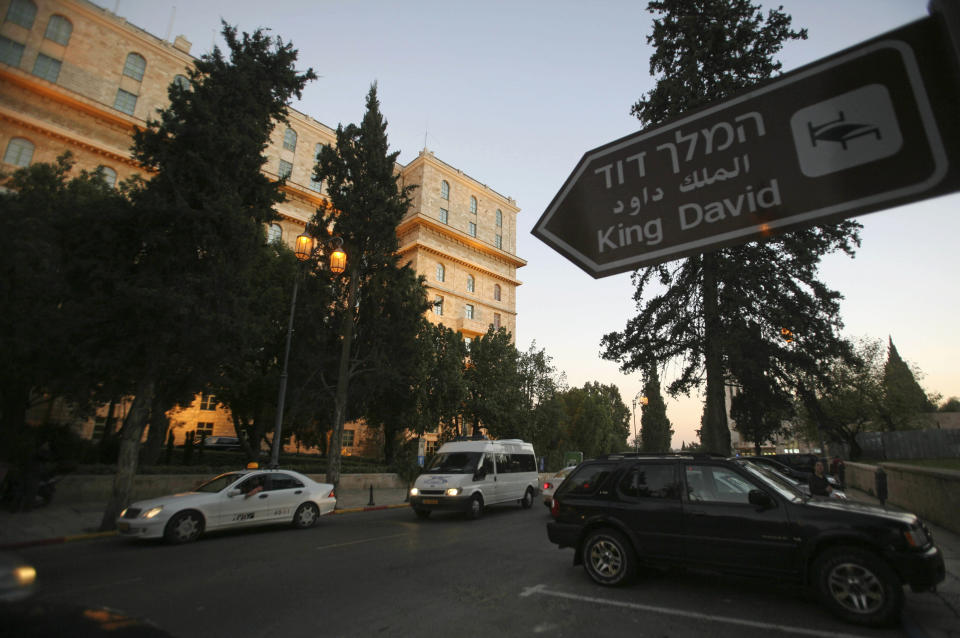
[(387, 574)]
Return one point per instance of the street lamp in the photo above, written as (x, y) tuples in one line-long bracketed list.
[(643, 401), (305, 247)]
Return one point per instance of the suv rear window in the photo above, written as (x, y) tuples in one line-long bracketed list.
[(588, 478), (652, 480)]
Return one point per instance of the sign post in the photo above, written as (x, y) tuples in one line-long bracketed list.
[(865, 129)]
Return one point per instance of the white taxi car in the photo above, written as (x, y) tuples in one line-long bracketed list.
[(235, 499)]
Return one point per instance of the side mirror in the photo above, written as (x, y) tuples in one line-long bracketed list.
[(480, 474), (234, 492), (761, 499)]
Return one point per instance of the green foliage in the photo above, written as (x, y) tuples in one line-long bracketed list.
[(654, 424), (905, 404), (494, 398), (595, 420), (700, 310), (366, 203), (950, 405)]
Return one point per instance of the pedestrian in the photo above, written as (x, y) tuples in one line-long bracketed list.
[(819, 486)]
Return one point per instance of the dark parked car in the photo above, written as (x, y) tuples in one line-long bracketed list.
[(221, 443), (733, 516)]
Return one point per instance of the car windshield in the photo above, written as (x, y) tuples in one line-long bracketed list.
[(219, 482), (454, 463), (784, 486)]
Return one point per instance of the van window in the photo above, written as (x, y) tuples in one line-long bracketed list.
[(454, 463), (524, 463), (504, 463)]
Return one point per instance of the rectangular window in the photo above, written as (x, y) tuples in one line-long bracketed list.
[(208, 402), (438, 306), (125, 102), (316, 185), (286, 168), (348, 438), (47, 68), (204, 429), (444, 216), (472, 229), (468, 311), (22, 12), (496, 321), (10, 52), (498, 241)]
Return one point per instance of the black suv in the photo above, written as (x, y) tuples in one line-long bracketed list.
[(733, 516)]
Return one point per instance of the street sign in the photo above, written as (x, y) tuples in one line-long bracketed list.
[(868, 128)]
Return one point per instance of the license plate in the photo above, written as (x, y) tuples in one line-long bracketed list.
[(123, 527), (431, 501)]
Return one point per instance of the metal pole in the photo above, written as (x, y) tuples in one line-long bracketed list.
[(282, 395)]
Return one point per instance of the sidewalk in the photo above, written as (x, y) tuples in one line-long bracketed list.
[(60, 523)]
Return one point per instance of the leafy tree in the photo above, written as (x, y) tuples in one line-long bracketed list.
[(443, 389), (596, 420), (905, 404), (540, 383), (48, 220), (184, 297), (763, 401), (366, 202), (950, 405), (654, 424), (494, 397), (847, 399), (706, 51)]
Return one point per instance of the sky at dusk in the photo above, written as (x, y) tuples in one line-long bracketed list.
[(514, 92)]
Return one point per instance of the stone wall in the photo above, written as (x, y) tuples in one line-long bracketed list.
[(932, 494), (87, 488)]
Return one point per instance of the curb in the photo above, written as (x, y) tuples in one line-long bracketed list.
[(59, 540), (373, 508)]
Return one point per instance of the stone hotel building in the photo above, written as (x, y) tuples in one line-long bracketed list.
[(75, 76)]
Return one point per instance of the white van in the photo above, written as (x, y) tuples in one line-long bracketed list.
[(468, 476)]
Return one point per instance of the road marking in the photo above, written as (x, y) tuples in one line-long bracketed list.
[(543, 591), (362, 540)]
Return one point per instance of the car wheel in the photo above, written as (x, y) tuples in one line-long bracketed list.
[(858, 586), (422, 514), (307, 516), (608, 558), (527, 499), (475, 508), (184, 527)]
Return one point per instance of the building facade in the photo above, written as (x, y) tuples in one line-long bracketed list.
[(74, 76)]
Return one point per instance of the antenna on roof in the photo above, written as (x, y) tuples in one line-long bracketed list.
[(173, 13)]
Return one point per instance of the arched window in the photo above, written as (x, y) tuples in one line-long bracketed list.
[(135, 66), (471, 283), (290, 139), (274, 234), (473, 204), (19, 152), (445, 189), (22, 12), (58, 30), (441, 272), (499, 218), (109, 175), (496, 292), (182, 82)]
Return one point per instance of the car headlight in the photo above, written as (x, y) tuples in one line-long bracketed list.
[(453, 491), (414, 491), (916, 537), (153, 511)]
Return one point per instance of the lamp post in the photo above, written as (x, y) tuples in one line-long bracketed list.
[(643, 401), (305, 248)]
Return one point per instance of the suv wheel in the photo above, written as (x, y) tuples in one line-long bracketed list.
[(608, 558), (858, 586)]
